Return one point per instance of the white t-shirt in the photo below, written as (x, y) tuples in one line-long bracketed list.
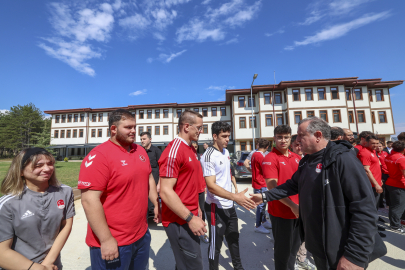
[(214, 162)]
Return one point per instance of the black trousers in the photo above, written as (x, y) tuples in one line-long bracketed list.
[(287, 241), (201, 201), (384, 194), (185, 246), (321, 264), (377, 197), (224, 222), (397, 205)]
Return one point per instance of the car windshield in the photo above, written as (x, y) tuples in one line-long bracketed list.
[(244, 156)]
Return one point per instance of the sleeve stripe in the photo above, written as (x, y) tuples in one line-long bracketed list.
[(172, 157), (4, 197), (208, 165), (5, 200)]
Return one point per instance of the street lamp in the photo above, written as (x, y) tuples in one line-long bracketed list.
[(251, 106)]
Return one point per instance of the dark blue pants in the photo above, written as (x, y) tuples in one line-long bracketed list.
[(131, 257)]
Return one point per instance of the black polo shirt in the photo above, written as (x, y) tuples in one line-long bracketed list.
[(154, 155)]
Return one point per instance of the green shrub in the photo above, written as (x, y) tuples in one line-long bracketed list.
[(66, 159)]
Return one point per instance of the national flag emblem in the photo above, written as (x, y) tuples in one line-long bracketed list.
[(318, 167), (61, 204), (142, 158)]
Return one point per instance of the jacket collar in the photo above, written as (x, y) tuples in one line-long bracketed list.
[(333, 149)]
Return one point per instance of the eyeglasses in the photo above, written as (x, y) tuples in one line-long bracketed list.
[(198, 128), (280, 138)]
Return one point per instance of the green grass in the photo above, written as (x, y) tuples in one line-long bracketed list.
[(66, 172)]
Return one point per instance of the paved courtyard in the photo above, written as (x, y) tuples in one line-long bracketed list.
[(256, 249)]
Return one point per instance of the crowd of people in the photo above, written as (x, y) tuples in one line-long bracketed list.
[(321, 189)]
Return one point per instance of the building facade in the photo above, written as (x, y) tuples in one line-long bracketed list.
[(357, 104)]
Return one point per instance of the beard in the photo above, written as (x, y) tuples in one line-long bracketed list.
[(123, 139)]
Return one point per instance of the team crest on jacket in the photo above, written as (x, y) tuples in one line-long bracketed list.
[(142, 158), (61, 204), (318, 167), (297, 160)]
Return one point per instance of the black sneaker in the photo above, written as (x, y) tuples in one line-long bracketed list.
[(380, 229), (383, 235), (400, 229)]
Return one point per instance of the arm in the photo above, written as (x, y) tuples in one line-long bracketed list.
[(66, 228), (247, 165), (370, 176), (10, 259), (234, 183), (239, 198), (272, 183), (95, 215), (172, 200), (153, 197)]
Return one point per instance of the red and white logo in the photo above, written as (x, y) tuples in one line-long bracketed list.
[(297, 160), (86, 184), (318, 167), (142, 158), (61, 204)]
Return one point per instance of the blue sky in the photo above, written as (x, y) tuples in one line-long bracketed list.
[(76, 54)]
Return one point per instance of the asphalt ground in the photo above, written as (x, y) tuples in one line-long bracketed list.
[(256, 249)]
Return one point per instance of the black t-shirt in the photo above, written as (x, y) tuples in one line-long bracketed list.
[(311, 203), (154, 155)]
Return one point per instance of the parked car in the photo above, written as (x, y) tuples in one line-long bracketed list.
[(239, 168)]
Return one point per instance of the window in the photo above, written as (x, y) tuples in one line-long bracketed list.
[(254, 122), (93, 133), (76, 118), (63, 118), (241, 102), (178, 113), (165, 113), (57, 117), (296, 95), (310, 113), (267, 98), (242, 122), (251, 145), (80, 133), (297, 117), (379, 96), (382, 117), (370, 95), (351, 117), (205, 112), (149, 114), (324, 115), (205, 129), (321, 94), (141, 114), (68, 133), (280, 119), (357, 94), (361, 118), (197, 110), (251, 101), (308, 94), (348, 94), (100, 117), (157, 130), (165, 130), (149, 129), (334, 92), (69, 118), (213, 111), (140, 130), (74, 133), (93, 117), (56, 134), (373, 117), (242, 146), (82, 117), (223, 111), (108, 132), (336, 116), (62, 134), (277, 97), (100, 133), (157, 114), (269, 120)]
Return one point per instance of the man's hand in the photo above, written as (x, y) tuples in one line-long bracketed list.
[(345, 264), (379, 189), (109, 249), (295, 209), (49, 266), (244, 201), (158, 215), (197, 226), (256, 198)]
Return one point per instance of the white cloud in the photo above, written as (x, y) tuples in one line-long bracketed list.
[(163, 17), (139, 92), (149, 60), (159, 36), (135, 21), (166, 58), (196, 30), (338, 7), (314, 17), (206, 2), (220, 87), (225, 9), (281, 31), (4, 111), (243, 15), (337, 31), (233, 40)]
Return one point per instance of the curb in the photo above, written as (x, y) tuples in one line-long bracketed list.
[(77, 193)]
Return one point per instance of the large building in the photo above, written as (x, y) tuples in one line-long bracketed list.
[(358, 104)]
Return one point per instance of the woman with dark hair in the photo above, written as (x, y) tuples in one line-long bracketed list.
[(36, 214)]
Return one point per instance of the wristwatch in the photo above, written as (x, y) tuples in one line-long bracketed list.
[(263, 197), (189, 217)]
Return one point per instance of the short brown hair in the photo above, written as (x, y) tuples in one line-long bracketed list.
[(188, 117), (365, 134), (118, 115)]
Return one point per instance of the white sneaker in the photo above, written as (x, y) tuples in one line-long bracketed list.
[(267, 225), (261, 229)]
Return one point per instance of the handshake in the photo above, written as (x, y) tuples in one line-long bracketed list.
[(248, 203)]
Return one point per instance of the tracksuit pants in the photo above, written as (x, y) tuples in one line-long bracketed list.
[(397, 205), (287, 242), (224, 222), (201, 202)]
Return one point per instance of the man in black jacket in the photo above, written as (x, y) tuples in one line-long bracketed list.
[(338, 220)]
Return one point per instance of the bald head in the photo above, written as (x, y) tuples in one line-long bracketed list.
[(348, 135)]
